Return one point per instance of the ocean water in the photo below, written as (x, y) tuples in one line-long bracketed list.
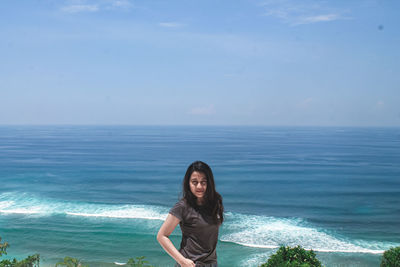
[(100, 193)]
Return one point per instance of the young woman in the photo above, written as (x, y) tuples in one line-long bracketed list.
[(199, 214)]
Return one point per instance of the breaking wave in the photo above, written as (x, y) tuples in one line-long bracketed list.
[(246, 230)]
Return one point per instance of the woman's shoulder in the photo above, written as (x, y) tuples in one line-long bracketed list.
[(180, 209), (181, 202)]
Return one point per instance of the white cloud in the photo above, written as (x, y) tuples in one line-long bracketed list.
[(170, 24), (207, 110), (76, 6), (124, 4), (319, 18), (304, 12), (80, 8)]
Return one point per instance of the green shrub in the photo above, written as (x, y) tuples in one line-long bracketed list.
[(70, 262), (30, 261), (391, 258), (292, 257), (139, 262), (3, 247)]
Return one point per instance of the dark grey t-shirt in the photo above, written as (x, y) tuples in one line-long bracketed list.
[(199, 234)]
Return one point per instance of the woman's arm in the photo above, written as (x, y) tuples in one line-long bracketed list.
[(163, 238)]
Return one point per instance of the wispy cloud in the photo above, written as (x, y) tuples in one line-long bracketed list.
[(170, 24), (304, 12), (306, 103), (319, 18), (77, 6), (121, 4), (80, 8), (207, 110)]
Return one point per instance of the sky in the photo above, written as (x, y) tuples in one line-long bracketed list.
[(204, 62)]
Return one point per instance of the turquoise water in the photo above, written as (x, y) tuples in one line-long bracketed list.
[(101, 193)]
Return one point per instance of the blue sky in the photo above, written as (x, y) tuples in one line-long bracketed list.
[(242, 62)]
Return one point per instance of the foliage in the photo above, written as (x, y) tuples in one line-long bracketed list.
[(3, 247), (33, 261), (292, 257), (30, 261), (70, 262), (139, 262), (391, 258)]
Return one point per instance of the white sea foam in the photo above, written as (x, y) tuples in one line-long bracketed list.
[(255, 260), (245, 230), (123, 212), (20, 211), (269, 232), (11, 203), (5, 204)]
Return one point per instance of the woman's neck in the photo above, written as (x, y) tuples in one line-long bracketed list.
[(200, 201)]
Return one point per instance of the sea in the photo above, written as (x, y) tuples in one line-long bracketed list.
[(101, 193)]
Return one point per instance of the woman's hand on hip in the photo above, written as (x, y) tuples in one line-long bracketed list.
[(187, 263)]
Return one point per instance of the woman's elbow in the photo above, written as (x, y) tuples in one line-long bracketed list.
[(159, 236)]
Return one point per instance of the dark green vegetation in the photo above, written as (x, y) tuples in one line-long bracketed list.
[(139, 262), (292, 257), (284, 257), (391, 258), (70, 262), (33, 261), (30, 261), (3, 247)]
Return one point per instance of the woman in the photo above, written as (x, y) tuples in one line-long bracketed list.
[(199, 214)]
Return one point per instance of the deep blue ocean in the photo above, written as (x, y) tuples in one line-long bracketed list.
[(100, 193)]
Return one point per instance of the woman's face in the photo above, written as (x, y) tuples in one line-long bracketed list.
[(198, 184)]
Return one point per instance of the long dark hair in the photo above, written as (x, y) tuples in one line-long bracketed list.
[(213, 200)]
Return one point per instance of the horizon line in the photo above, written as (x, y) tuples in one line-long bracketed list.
[(202, 125)]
